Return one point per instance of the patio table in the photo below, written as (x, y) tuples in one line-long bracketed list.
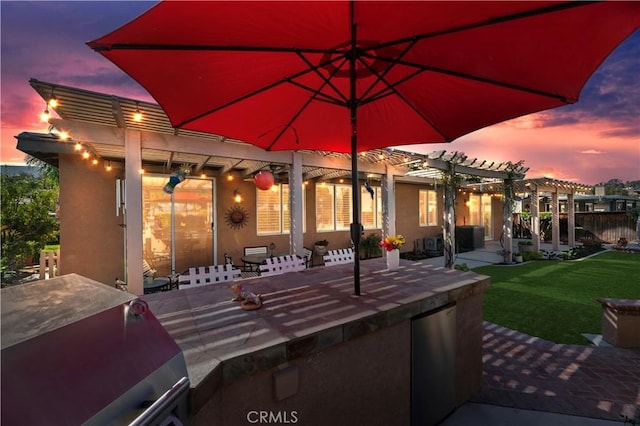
[(161, 284), (259, 258)]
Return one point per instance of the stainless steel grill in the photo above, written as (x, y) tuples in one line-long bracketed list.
[(75, 351)]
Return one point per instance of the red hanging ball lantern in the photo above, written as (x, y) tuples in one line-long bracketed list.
[(264, 180)]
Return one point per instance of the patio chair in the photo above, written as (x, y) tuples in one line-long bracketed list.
[(308, 257), (338, 257), (164, 283), (250, 267)]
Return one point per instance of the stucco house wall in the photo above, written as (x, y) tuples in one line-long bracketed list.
[(91, 235)]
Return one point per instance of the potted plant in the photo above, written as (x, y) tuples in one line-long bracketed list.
[(392, 246), (320, 247), (517, 257)]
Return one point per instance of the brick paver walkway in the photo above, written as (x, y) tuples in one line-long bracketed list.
[(527, 372)]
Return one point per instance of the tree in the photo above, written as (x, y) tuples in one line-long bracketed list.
[(613, 187), (28, 219)]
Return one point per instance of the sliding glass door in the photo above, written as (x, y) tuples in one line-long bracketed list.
[(178, 228)]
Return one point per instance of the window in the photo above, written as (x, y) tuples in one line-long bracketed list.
[(273, 214), (428, 206), (334, 206), (371, 208)]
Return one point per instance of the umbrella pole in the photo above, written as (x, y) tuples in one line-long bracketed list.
[(355, 187), (355, 226)]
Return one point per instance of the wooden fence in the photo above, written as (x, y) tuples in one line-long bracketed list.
[(605, 226), (49, 263)]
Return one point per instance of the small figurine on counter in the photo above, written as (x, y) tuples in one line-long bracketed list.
[(249, 300)]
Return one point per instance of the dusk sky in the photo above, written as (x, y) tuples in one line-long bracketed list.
[(595, 140)]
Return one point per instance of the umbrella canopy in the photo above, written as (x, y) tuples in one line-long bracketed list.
[(350, 76)]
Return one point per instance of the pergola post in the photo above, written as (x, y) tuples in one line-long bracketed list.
[(535, 219), (571, 220), (449, 215), (555, 221), (388, 203), (296, 236), (133, 211), (507, 223)]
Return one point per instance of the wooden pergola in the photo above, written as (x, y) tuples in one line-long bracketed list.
[(103, 124)]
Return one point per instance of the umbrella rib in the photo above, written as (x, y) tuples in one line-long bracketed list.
[(392, 88), (324, 97), (327, 81), (387, 70), (480, 79), (217, 48), (288, 79), (491, 21), (297, 114), (389, 88)]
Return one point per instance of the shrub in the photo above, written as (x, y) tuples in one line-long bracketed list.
[(461, 267), (531, 255)]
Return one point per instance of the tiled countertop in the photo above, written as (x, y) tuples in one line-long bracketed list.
[(302, 313)]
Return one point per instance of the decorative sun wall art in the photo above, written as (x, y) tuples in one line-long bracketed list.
[(236, 217)]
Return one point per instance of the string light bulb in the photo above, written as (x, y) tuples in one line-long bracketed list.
[(77, 146), (95, 162), (86, 155), (44, 116), (237, 196), (53, 102), (108, 167)]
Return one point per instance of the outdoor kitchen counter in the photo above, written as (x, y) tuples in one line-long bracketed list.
[(302, 313)]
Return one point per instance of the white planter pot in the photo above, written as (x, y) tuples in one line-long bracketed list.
[(393, 259)]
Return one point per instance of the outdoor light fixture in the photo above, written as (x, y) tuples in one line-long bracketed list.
[(52, 102), (77, 146), (44, 117), (108, 167), (237, 196), (137, 116)]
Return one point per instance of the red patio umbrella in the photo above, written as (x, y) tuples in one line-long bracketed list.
[(350, 76)]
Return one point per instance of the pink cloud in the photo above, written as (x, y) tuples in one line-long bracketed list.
[(564, 152)]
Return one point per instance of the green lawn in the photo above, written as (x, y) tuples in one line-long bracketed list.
[(556, 300)]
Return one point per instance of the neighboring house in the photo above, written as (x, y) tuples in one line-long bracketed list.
[(606, 203), (114, 212)]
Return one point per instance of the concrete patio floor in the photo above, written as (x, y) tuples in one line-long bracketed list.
[(486, 255)]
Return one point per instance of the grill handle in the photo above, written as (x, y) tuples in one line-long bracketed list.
[(163, 403)]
